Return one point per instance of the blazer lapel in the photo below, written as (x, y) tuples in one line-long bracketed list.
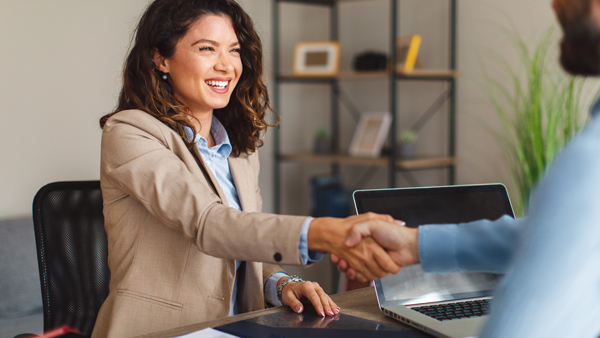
[(213, 179), (241, 173)]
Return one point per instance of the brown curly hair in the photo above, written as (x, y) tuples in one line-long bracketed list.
[(161, 26)]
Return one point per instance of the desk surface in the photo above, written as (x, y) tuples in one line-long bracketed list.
[(360, 303)]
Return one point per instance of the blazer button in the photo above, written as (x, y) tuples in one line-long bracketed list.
[(277, 257)]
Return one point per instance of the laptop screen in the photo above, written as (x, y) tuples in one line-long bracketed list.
[(435, 205)]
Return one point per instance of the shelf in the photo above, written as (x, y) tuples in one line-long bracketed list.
[(417, 74), (416, 163), (429, 74), (320, 2)]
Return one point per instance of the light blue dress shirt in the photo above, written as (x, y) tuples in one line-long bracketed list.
[(215, 159), (551, 257)]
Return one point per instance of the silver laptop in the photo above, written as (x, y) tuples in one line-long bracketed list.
[(444, 305)]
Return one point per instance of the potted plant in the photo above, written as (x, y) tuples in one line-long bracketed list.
[(540, 109), (322, 142), (407, 147)]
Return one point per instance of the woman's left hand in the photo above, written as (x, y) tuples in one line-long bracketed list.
[(295, 293)]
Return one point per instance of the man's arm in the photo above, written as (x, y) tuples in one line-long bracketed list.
[(484, 246), (479, 246)]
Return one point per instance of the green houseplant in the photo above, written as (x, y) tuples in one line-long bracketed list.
[(322, 144), (540, 109), (407, 140)]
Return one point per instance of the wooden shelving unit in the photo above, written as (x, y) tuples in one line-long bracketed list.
[(413, 163), (349, 75), (447, 161)]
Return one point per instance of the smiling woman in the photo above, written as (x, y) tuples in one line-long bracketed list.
[(179, 178), (163, 31), (204, 70)]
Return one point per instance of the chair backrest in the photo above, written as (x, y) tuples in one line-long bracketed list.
[(72, 253)]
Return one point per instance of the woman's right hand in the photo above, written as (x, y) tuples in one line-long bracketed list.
[(401, 243), (366, 256)]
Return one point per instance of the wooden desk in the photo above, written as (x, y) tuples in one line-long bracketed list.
[(359, 303)]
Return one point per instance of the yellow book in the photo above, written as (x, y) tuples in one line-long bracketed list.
[(413, 51), (408, 50)]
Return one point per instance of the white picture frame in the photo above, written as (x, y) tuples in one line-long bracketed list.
[(370, 134), (318, 58)]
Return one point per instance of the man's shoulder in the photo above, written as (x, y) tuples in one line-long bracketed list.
[(583, 149), (574, 174)]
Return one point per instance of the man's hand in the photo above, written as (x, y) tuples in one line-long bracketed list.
[(365, 256), (400, 242)]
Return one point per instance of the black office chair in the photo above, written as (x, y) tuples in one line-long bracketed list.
[(72, 253)]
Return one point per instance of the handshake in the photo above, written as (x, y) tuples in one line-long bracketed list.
[(366, 246)]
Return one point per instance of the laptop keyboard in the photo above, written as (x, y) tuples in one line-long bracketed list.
[(450, 311)]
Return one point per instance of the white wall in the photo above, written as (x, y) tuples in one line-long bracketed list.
[(60, 72), (60, 67), (480, 29)]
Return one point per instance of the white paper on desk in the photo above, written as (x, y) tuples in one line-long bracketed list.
[(208, 333)]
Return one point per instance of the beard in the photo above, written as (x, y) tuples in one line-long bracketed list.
[(580, 48)]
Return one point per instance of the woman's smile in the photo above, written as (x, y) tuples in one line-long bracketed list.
[(219, 85)]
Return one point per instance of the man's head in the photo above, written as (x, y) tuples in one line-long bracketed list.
[(580, 46)]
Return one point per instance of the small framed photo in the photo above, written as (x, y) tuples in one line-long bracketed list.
[(408, 51), (370, 134), (319, 58)]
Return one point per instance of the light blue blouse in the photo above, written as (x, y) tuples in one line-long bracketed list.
[(215, 159)]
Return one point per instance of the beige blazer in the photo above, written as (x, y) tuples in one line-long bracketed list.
[(172, 239)]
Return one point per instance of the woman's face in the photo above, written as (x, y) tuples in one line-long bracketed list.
[(206, 65)]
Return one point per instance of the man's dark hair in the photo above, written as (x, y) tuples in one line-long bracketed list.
[(580, 46)]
